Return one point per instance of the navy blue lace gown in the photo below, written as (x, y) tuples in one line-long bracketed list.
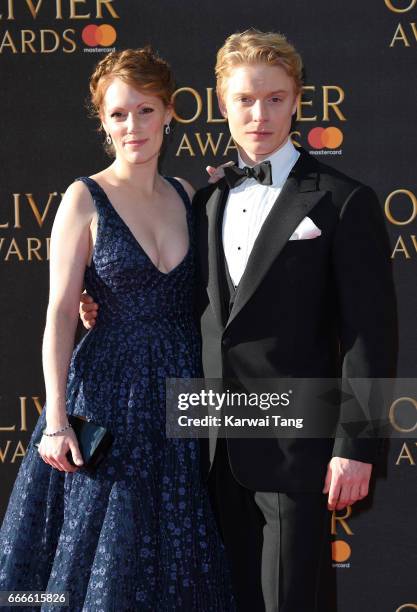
[(138, 533)]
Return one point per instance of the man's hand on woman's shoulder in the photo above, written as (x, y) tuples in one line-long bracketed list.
[(217, 173)]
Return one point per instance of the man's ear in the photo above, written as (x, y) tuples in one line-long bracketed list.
[(296, 103), (222, 105)]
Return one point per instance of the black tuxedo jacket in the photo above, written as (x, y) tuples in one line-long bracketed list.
[(323, 307)]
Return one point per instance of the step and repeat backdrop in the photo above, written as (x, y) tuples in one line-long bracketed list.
[(357, 113)]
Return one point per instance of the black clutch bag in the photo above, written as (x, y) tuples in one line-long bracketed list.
[(93, 440)]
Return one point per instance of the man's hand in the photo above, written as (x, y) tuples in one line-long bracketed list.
[(217, 173), (88, 311), (346, 481)]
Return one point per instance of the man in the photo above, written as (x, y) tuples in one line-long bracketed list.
[(272, 305)]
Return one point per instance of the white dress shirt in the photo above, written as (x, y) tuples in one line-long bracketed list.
[(247, 207)]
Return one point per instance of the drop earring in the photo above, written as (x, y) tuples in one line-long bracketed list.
[(108, 139), (167, 129)]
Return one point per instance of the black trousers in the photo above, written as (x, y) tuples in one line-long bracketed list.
[(276, 543)]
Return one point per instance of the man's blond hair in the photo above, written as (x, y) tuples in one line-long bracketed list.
[(256, 47)]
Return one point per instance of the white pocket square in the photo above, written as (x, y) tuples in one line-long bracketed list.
[(306, 230)]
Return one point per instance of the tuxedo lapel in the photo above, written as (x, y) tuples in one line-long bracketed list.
[(215, 210), (298, 196)]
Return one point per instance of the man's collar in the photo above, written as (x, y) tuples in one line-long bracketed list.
[(282, 161)]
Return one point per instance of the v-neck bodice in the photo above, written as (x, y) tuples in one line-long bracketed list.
[(123, 279)]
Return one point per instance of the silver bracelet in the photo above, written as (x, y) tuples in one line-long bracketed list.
[(69, 426)]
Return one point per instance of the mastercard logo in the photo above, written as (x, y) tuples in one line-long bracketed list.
[(99, 36), (341, 551), (325, 138)]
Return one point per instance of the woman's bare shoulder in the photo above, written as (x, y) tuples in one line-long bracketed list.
[(77, 199)]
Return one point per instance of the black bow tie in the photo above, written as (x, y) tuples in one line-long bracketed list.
[(261, 172)]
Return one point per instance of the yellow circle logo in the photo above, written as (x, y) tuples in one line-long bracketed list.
[(341, 551)]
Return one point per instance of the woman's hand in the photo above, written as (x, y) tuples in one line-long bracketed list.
[(53, 450), (217, 173)]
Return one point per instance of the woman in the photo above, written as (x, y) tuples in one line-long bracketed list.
[(137, 533)]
